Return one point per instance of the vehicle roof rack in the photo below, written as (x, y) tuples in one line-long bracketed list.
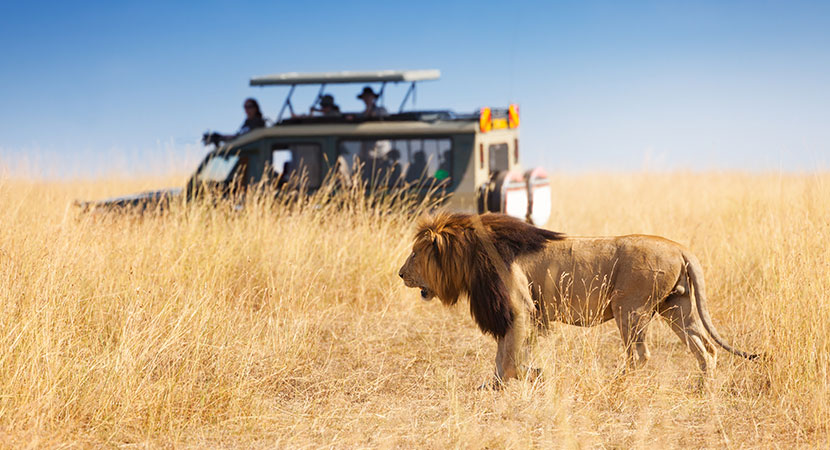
[(423, 116), (324, 78), (379, 76)]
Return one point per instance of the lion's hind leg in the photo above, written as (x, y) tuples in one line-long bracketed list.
[(678, 310), (633, 325)]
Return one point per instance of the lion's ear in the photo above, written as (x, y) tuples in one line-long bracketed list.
[(438, 243)]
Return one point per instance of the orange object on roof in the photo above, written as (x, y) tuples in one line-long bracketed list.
[(485, 120), (513, 116)]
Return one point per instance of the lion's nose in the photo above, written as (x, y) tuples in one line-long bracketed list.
[(400, 274)]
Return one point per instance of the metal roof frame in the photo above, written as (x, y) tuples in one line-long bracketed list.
[(346, 77)]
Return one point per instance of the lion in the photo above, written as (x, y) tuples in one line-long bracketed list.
[(516, 275)]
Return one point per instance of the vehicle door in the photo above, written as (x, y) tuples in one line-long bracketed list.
[(295, 165)]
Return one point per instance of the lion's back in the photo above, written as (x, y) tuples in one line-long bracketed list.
[(623, 263), (638, 248)]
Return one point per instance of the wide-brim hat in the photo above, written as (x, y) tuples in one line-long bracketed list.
[(367, 91)]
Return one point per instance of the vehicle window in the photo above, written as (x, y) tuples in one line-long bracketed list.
[(499, 157), (218, 168), (288, 160), (394, 161)]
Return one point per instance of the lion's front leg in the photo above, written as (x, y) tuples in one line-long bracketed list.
[(507, 360), (512, 350), (507, 356)]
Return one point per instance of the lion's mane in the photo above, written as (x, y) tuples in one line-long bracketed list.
[(468, 255)]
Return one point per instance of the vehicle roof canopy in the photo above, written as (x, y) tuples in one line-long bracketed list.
[(346, 77)]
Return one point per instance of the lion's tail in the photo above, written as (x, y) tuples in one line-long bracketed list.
[(696, 276)]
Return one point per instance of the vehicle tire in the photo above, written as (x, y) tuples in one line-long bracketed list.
[(506, 193), (538, 196)]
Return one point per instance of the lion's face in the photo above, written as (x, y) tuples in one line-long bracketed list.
[(412, 273)]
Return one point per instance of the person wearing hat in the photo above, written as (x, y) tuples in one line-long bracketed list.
[(372, 109), (327, 107)]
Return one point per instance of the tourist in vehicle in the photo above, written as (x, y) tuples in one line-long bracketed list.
[(445, 163), (370, 98), (327, 107), (253, 120), (417, 168), (393, 167)]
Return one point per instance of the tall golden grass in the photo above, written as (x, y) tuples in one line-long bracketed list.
[(274, 328)]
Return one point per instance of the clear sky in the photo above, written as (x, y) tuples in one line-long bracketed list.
[(86, 87)]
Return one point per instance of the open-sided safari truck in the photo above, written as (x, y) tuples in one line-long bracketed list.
[(474, 158)]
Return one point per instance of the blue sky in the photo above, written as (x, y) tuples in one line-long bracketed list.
[(88, 87)]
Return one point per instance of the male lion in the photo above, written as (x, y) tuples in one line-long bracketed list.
[(514, 274)]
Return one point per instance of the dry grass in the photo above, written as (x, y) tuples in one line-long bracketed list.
[(266, 329)]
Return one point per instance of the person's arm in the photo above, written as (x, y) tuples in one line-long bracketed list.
[(217, 138)]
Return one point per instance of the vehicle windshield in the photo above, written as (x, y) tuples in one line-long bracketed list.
[(218, 168)]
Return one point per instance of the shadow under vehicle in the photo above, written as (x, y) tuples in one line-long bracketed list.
[(473, 158)]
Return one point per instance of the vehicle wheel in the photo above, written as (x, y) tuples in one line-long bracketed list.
[(539, 196), (506, 193)]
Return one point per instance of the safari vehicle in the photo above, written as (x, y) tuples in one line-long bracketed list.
[(473, 158)]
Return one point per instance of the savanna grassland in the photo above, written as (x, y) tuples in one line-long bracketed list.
[(289, 327)]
